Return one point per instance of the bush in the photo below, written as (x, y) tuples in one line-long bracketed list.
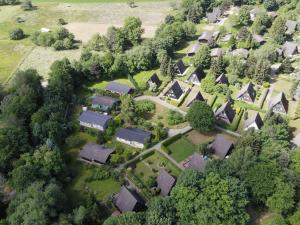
[(174, 117), (16, 34), (61, 21), (26, 5)]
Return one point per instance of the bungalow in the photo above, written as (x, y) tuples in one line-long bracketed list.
[(291, 26), (128, 201), (254, 13), (253, 122), (225, 113), (175, 92), (198, 162), (206, 37), (193, 50), (258, 39), (118, 88), (197, 97), (221, 146), (95, 153), (222, 79), (241, 52), (216, 52), (154, 80), (247, 93), (165, 182), (214, 16), (94, 120), (133, 136), (289, 49), (196, 76), (279, 103), (104, 103), (180, 68)]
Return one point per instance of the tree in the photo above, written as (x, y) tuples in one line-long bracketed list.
[(128, 109), (270, 5), (202, 56), (16, 34), (244, 15), (26, 5), (235, 69), (208, 84), (133, 30), (274, 219), (201, 117), (217, 66), (277, 30), (295, 218), (125, 219), (189, 29), (174, 117), (261, 23)]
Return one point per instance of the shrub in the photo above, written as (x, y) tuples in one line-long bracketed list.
[(174, 117), (26, 5), (16, 34), (61, 21)]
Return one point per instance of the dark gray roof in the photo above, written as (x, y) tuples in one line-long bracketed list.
[(221, 146), (222, 79), (94, 118), (280, 98), (214, 15), (216, 52), (197, 97), (198, 162), (206, 35), (177, 90), (119, 88), (291, 26), (249, 89), (289, 49), (94, 152), (165, 182), (180, 67), (199, 72), (127, 200), (193, 49), (155, 79), (104, 100), (133, 134), (227, 109), (254, 119), (258, 38)]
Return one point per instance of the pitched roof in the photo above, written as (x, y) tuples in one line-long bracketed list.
[(216, 52), (176, 89), (165, 182), (289, 49), (206, 35), (104, 100), (227, 109), (255, 11), (280, 98), (155, 79), (222, 79), (119, 88), (254, 119), (198, 162), (221, 146), (180, 66), (94, 118), (133, 134), (197, 97), (248, 88), (198, 72), (126, 200), (92, 151), (258, 38), (193, 49), (291, 26)]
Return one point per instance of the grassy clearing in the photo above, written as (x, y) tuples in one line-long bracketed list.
[(93, 1), (181, 149), (101, 85)]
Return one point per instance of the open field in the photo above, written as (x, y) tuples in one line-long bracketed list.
[(94, 1)]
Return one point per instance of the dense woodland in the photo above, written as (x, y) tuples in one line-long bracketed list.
[(262, 173)]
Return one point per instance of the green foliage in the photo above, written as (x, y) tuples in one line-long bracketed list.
[(217, 66), (295, 218), (16, 34), (202, 56), (235, 69), (174, 117), (133, 30), (274, 219), (128, 109), (126, 218), (26, 5), (144, 106), (261, 23), (270, 5), (277, 30), (208, 84), (244, 16)]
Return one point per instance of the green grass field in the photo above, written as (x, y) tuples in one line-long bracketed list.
[(94, 1), (181, 149)]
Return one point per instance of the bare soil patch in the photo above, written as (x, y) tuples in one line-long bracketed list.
[(199, 138)]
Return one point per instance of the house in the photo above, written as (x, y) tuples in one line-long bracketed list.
[(289, 49), (196, 76), (180, 68), (254, 13), (95, 153), (225, 113), (206, 37), (165, 182), (118, 88), (214, 16), (216, 52), (221, 146), (94, 120), (241, 52), (247, 93), (254, 121), (197, 97), (133, 136), (279, 103), (104, 103), (291, 26), (175, 91), (128, 201), (154, 80), (275, 68), (222, 79), (198, 162), (193, 50), (258, 39)]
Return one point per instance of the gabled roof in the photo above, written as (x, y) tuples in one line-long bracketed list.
[(104, 100), (248, 88), (241, 52), (290, 26), (255, 11), (254, 119), (258, 38), (206, 35), (214, 15), (227, 110), (289, 49), (165, 182), (222, 79), (280, 98), (198, 72), (92, 151), (155, 79), (197, 97), (180, 66), (119, 88), (216, 52), (127, 200), (176, 89), (193, 49), (94, 118), (133, 134), (221, 146), (198, 162)]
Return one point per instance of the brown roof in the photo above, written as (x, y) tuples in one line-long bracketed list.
[(198, 162), (216, 52), (258, 38), (165, 182), (193, 49), (289, 49), (221, 146), (127, 200), (94, 152), (206, 35)]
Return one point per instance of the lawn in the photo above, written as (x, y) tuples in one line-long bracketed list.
[(94, 1), (101, 85), (181, 149), (142, 78)]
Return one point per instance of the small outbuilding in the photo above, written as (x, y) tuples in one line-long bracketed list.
[(258, 39), (165, 182), (221, 146), (94, 120), (241, 52), (225, 113), (254, 121), (128, 201), (214, 16), (247, 93), (133, 136), (92, 152), (118, 88), (279, 103)]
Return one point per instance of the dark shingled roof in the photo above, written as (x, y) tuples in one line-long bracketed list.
[(206, 36), (228, 111), (165, 182), (248, 88), (197, 97), (254, 119), (94, 152), (222, 79), (221, 146), (119, 88), (104, 100), (198, 162), (289, 49), (180, 67), (214, 15), (280, 98), (177, 90), (127, 200), (155, 79), (133, 134), (94, 118), (199, 72)]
